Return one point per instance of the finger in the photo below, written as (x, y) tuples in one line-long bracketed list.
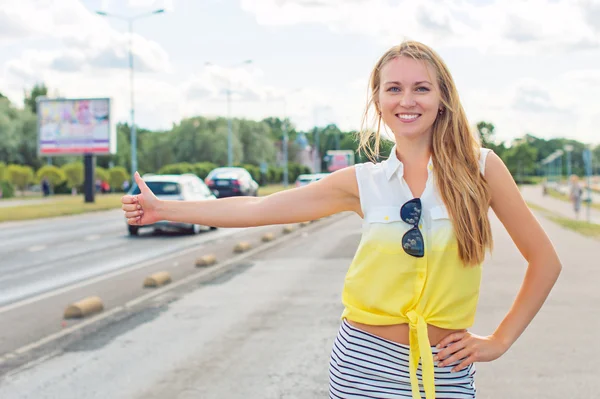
[(464, 364), (128, 199), (457, 336), (460, 355), (144, 189), (135, 221), (134, 214), (131, 207), (450, 349)]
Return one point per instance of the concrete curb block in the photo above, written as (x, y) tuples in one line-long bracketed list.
[(206, 260), (157, 280), (304, 224), (268, 237), (288, 229), (85, 307), (242, 247), (202, 275)]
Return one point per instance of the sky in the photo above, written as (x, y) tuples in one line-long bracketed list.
[(526, 66)]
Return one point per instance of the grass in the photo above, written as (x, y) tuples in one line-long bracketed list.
[(62, 205), (581, 227), (564, 197), (271, 189), (585, 228)]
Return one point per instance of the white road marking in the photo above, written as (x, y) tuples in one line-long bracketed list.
[(206, 274), (36, 248), (92, 237)]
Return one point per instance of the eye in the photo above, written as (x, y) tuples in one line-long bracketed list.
[(394, 89), (423, 89)]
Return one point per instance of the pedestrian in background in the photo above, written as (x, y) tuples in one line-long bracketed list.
[(411, 291), (575, 194)]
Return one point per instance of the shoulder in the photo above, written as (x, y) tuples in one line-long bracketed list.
[(483, 155), (497, 175), (369, 169)]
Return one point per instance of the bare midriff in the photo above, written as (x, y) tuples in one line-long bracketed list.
[(399, 333)]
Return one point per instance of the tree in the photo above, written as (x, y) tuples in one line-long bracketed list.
[(117, 176), (74, 174), (21, 176), (486, 133), (521, 160), (39, 89), (54, 174), (100, 173)]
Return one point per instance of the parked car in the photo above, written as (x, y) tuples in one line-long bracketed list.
[(231, 182), (185, 187), (305, 179)]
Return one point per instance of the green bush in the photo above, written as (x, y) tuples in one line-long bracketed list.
[(101, 174), (74, 174), (202, 169), (8, 190), (20, 176), (2, 171), (116, 177), (53, 173), (176, 169), (274, 174)]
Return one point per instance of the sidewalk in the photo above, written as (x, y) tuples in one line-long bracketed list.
[(533, 194)]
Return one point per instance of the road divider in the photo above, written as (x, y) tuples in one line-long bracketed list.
[(83, 308), (206, 260), (288, 229), (268, 237), (157, 280), (242, 247), (304, 224)]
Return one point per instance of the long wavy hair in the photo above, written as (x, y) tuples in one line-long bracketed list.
[(455, 154)]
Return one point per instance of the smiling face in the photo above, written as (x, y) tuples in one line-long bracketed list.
[(408, 97)]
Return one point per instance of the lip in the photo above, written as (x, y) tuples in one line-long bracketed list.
[(408, 121)]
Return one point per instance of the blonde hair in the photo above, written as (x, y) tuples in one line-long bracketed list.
[(455, 154)]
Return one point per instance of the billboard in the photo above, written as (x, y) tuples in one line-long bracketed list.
[(339, 159), (75, 126)]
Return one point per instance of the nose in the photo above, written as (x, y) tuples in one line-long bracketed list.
[(407, 100)]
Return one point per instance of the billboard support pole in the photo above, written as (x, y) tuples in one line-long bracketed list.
[(89, 162)]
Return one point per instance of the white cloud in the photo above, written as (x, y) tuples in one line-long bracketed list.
[(505, 27)]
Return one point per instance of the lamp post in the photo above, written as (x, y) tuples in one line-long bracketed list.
[(130, 25), (284, 128), (568, 148), (229, 127)]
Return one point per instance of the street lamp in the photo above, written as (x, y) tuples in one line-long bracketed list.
[(229, 128), (130, 25)]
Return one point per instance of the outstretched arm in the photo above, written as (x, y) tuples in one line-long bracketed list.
[(335, 193)]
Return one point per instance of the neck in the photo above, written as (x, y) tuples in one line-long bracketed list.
[(414, 151)]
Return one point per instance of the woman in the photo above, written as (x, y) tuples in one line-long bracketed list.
[(415, 278)]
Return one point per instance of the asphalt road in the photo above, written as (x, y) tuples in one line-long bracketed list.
[(265, 329), (43, 255)]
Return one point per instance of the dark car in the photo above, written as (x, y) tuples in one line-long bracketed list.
[(231, 182)]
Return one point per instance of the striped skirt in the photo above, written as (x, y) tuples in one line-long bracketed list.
[(363, 365)]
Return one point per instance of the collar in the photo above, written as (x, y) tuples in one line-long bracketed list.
[(393, 165)]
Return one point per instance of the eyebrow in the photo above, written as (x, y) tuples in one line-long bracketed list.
[(400, 84)]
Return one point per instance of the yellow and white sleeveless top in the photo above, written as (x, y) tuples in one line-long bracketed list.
[(384, 285)]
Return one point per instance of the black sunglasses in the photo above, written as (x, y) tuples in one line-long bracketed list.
[(412, 241)]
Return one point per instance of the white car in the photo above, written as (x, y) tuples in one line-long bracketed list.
[(185, 187), (305, 179)]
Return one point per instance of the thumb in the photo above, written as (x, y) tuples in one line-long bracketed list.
[(144, 189)]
